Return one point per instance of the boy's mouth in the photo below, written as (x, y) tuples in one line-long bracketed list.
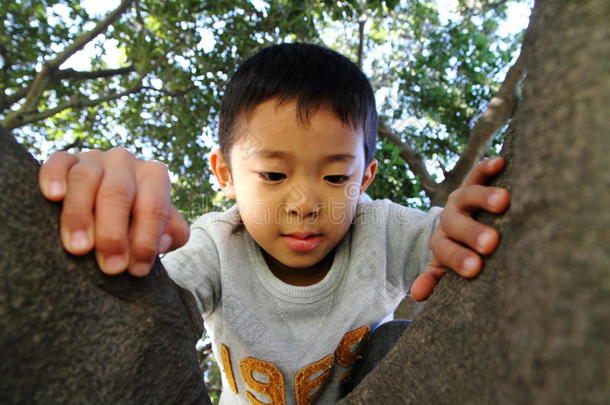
[(301, 235), (303, 241)]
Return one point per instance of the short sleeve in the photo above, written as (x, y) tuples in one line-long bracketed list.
[(395, 239), (408, 236), (195, 267)]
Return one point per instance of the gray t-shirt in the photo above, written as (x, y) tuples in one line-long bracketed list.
[(286, 344)]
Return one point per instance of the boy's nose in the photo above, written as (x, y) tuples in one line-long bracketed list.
[(302, 202)]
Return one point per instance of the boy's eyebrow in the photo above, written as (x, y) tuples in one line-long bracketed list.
[(339, 157), (277, 154), (270, 154)]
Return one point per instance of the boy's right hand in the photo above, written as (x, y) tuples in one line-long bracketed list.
[(116, 204)]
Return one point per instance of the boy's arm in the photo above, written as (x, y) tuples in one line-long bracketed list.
[(459, 240), (114, 203)]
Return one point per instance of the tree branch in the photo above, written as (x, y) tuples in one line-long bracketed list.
[(412, 157), (85, 38), (361, 24), (71, 74), (76, 102), (500, 108), (43, 77)]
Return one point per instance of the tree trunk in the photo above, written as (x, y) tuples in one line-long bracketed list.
[(72, 335), (535, 326)]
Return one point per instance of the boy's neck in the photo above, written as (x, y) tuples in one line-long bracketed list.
[(300, 277)]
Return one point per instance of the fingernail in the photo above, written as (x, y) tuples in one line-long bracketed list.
[(165, 243), (484, 240), (494, 200), (79, 240), (470, 265), (55, 189), (140, 269), (114, 264), (491, 162)]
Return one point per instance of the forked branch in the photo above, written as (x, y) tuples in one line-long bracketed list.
[(42, 79)]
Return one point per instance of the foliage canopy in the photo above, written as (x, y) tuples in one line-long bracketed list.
[(154, 77)]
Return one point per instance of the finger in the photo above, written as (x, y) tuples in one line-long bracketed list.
[(112, 211), (176, 232), (455, 256), (77, 221), (462, 228), (52, 175), (423, 285), (477, 197), (485, 171), (149, 216)]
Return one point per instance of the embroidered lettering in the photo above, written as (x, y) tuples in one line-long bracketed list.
[(346, 352), (307, 389), (274, 388), (228, 368)]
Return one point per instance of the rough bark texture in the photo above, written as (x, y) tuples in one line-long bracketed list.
[(534, 328), (70, 334)]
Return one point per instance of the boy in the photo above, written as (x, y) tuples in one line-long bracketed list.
[(292, 279)]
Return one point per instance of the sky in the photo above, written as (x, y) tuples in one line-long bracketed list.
[(518, 14)]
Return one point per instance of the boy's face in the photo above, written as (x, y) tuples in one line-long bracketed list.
[(296, 185)]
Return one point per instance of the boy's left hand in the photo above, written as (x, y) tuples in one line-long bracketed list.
[(459, 241)]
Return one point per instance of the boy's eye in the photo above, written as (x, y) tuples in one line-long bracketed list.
[(270, 176), (338, 179)]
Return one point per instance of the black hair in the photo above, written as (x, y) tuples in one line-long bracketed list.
[(310, 74)]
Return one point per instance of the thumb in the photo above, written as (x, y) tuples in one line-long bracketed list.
[(424, 284)]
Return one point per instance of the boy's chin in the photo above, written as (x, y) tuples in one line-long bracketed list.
[(308, 262), (299, 262)]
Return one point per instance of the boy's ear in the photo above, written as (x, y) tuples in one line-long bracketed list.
[(222, 171), (369, 175)]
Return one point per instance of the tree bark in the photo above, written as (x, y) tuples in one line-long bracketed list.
[(534, 327), (72, 335)]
